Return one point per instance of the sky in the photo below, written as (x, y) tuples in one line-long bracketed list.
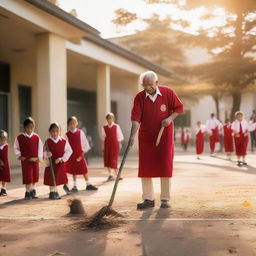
[(100, 13)]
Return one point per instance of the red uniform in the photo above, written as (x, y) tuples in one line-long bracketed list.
[(241, 142), (111, 147), (73, 166), (29, 149), (228, 139), (57, 150), (155, 161), (185, 138), (214, 138), (199, 142), (4, 170)]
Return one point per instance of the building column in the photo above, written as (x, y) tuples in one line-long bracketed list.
[(103, 94), (51, 91)]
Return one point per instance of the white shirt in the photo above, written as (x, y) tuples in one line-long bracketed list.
[(252, 126), (120, 135), (212, 124), (67, 150), (201, 128), (17, 146), (236, 126), (2, 146), (154, 97), (84, 142)]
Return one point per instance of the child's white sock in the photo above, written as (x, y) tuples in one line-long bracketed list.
[(51, 188), (74, 184), (88, 182), (27, 186)]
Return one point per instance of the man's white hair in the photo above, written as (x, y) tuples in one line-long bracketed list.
[(148, 74)]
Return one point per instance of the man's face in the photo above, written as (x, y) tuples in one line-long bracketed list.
[(149, 85)]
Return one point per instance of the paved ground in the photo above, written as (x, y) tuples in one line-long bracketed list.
[(212, 213)]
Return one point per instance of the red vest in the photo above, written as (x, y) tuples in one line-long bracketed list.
[(74, 139), (57, 149), (28, 146)]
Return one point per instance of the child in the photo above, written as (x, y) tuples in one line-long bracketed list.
[(240, 129), (28, 148), (76, 165), (185, 139), (112, 136), (228, 139), (199, 139), (58, 151), (4, 163)]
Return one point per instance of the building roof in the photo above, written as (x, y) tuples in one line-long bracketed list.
[(93, 35)]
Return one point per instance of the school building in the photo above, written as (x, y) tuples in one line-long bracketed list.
[(53, 65)]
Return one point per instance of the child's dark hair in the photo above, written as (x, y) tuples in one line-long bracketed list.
[(109, 115), (3, 134), (72, 118), (227, 120), (29, 120), (54, 125)]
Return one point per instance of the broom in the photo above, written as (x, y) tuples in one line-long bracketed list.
[(51, 165), (107, 210)]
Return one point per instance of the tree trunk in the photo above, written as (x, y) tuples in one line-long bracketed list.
[(237, 98), (217, 105)]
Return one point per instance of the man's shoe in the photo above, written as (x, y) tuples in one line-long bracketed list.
[(66, 189), (74, 189), (56, 196), (27, 196), (3, 192), (51, 195), (239, 163), (33, 194), (110, 178), (91, 187), (165, 204), (146, 204)]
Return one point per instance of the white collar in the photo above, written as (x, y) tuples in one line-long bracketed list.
[(2, 146), (156, 93), (111, 125), (74, 131), (28, 135), (56, 140)]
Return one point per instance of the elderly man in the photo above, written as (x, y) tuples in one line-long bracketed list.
[(154, 107)]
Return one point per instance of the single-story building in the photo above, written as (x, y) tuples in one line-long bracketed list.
[(53, 65)]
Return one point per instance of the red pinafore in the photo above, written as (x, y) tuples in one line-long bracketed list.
[(199, 142), (73, 166), (4, 170), (228, 139), (57, 150), (29, 149), (241, 142)]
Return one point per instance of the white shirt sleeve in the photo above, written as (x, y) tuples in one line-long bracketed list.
[(120, 135), (68, 152), (40, 149), (251, 127), (84, 142), (17, 148), (103, 134)]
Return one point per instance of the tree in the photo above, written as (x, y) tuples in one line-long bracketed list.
[(231, 43)]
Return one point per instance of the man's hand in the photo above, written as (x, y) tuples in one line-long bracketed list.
[(49, 154), (79, 159), (134, 129), (166, 122), (21, 158), (59, 160), (131, 141)]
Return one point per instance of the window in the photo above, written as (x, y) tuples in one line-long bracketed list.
[(25, 104), (183, 120)]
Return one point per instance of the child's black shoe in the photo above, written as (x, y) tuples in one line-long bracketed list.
[(3, 192), (91, 187), (56, 196), (33, 194), (74, 189), (27, 196), (51, 195), (66, 189)]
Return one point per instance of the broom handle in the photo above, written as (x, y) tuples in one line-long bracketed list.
[(118, 176), (51, 165)]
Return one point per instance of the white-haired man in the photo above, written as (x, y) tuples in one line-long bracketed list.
[(154, 107)]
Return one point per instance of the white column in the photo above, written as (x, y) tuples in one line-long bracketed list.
[(103, 93), (51, 88)]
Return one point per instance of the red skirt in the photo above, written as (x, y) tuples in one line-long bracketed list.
[(241, 143), (30, 172), (199, 143), (76, 168), (59, 173), (111, 151), (228, 144), (5, 174)]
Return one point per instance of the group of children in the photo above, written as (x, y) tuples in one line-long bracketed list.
[(235, 136), (59, 155)]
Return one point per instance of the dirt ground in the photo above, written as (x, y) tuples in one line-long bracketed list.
[(212, 214)]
